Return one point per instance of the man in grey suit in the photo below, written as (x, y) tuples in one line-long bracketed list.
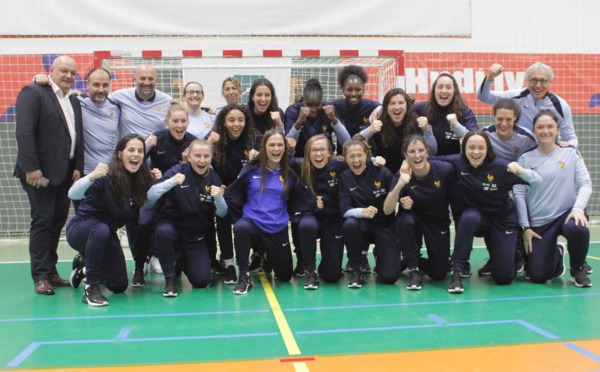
[(49, 159)]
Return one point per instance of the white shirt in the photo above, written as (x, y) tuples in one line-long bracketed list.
[(67, 108)]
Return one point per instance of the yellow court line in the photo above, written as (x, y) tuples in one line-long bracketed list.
[(595, 258), (284, 328)]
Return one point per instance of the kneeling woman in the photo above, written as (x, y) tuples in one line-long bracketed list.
[(258, 203), (193, 196), (490, 212), (552, 208), (112, 196), (362, 191), (424, 201)]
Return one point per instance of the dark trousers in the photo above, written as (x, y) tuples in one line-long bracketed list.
[(49, 211), (104, 259), (143, 232), (359, 233), (500, 233), (276, 246), (185, 250), (437, 242), (224, 233), (310, 228), (544, 256)]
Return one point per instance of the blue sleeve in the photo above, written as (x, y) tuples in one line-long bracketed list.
[(468, 120)]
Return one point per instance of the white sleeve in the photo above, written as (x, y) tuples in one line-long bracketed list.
[(584, 185), (77, 191), (485, 94), (530, 176), (567, 131), (354, 212), (430, 138), (340, 132), (159, 190), (221, 206)]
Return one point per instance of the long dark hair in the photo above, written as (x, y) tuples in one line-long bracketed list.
[(456, 106), (409, 122), (249, 133), (283, 165), (489, 155), (128, 184), (273, 106)]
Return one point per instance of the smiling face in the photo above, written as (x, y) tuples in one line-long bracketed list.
[(416, 154), (314, 101), (230, 92), (261, 99), (538, 84), (476, 150), (505, 123), (98, 85), (319, 153), (200, 157), (353, 90), (397, 109), (63, 72), (444, 91), (177, 124), (545, 130), (193, 95), (235, 121), (275, 149), (356, 158), (145, 81), (132, 155)]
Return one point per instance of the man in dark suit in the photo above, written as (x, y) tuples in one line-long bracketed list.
[(50, 158)]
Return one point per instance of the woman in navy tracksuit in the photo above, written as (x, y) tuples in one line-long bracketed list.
[(193, 195), (424, 201), (353, 110), (112, 196), (490, 212), (264, 107), (235, 147), (447, 114), (166, 149), (320, 172), (362, 192), (258, 202)]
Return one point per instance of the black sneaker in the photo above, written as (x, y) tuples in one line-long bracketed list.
[(230, 275), (348, 268), (486, 270), (312, 280), (170, 288), (243, 285), (587, 268), (216, 267), (78, 273), (466, 272), (300, 270), (365, 268), (414, 280), (93, 296), (138, 280), (255, 262), (580, 279), (456, 283), (519, 262), (356, 281), (560, 265)]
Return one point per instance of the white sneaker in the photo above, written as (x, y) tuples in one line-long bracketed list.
[(154, 265)]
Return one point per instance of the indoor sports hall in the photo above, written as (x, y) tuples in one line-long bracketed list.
[(281, 326)]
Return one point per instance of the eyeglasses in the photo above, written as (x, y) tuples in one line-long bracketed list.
[(414, 152), (536, 81), (321, 150), (194, 92)]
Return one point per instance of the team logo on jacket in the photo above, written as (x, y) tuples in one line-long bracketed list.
[(324, 127), (207, 125), (206, 197), (515, 149), (111, 112), (561, 164), (281, 179), (451, 136), (380, 190), (366, 120), (489, 185), (207, 188), (437, 183), (333, 181), (158, 108)]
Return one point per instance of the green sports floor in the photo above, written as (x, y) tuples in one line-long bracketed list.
[(282, 327)]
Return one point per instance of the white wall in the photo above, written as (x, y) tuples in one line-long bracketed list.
[(509, 26)]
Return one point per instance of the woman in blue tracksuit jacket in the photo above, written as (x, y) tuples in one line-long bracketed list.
[(490, 212), (192, 195), (258, 202), (112, 196)]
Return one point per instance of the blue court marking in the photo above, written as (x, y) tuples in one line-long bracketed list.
[(440, 302), (135, 315), (582, 351), (439, 323), (122, 338)]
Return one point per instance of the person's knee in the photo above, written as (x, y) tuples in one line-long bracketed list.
[(200, 281), (331, 276), (503, 278), (117, 286)]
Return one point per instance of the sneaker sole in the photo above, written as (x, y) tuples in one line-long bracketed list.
[(467, 275), (413, 288), (85, 301), (311, 287), (244, 292), (456, 290), (169, 294), (485, 273), (564, 267), (230, 282), (138, 285), (578, 285), (354, 285)]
